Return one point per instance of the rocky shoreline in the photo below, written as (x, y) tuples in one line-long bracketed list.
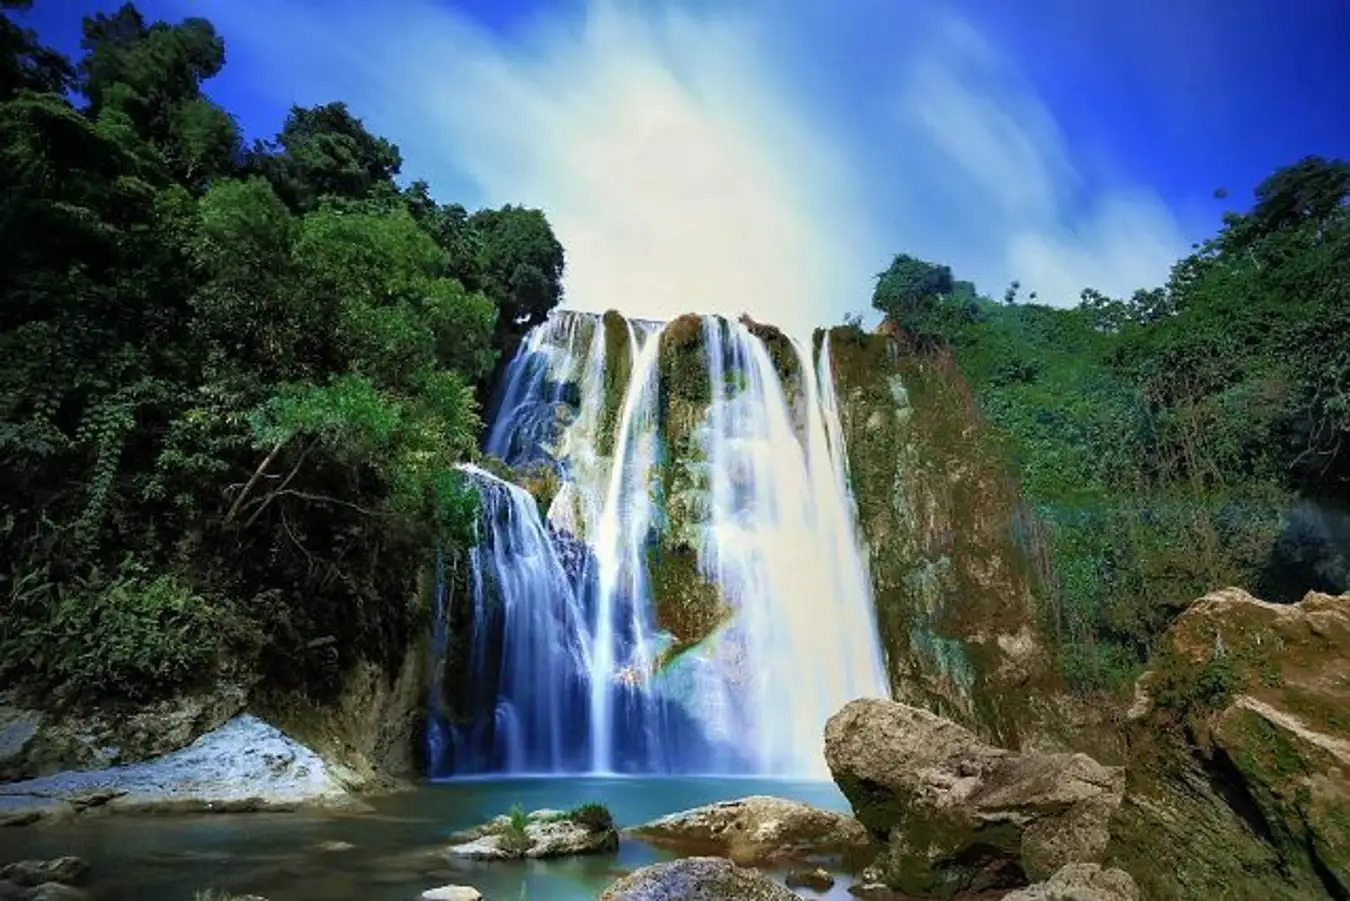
[(1246, 700), (243, 765)]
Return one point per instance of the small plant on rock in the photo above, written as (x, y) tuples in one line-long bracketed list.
[(595, 817), (514, 838)]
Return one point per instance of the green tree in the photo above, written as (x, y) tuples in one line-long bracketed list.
[(326, 152)]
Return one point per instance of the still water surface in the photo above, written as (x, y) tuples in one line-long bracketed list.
[(283, 856)]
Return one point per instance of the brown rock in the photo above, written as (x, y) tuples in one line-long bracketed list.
[(960, 814), (1260, 691)]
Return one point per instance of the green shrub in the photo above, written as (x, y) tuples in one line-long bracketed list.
[(595, 817), (130, 635), (514, 837)]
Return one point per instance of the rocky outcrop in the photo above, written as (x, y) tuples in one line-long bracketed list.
[(539, 834), (1240, 766), (36, 742), (697, 879), (956, 562), (373, 727), (959, 814), (1081, 882), (758, 829), (44, 880), (245, 764)]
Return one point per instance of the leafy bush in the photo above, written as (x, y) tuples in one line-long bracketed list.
[(133, 634), (595, 817)]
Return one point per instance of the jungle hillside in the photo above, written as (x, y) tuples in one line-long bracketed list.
[(236, 376)]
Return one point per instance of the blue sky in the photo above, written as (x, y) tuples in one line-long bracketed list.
[(768, 156)]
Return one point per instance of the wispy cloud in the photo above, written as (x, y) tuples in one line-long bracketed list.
[(686, 165)]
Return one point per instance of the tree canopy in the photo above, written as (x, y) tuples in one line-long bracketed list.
[(234, 383)]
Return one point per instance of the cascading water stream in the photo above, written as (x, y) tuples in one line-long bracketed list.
[(529, 644), (581, 670)]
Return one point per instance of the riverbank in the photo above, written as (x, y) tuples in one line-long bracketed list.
[(390, 852)]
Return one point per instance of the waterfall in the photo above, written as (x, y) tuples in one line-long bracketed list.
[(723, 608), (527, 653)]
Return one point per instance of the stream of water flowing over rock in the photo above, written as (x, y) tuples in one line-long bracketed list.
[(693, 599)]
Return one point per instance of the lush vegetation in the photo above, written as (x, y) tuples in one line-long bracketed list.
[(1191, 436), (234, 379)]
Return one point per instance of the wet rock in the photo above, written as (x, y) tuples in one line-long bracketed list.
[(452, 893), (55, 891), (542, 833), (68, 870), (1081, 882), (697, 879), (818, 879), (18, 727), (959, 814), (757, 829), (245, 765), (10, 892)]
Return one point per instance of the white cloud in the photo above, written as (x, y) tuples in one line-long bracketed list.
[(1015, 195), (683, 170)]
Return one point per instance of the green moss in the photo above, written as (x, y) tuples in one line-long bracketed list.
[(1178, 837), (937, 508), (782, 354), (687, 604), (618, 373), (683, 361)]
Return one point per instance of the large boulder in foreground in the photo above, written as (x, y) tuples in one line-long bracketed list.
[(697, 879), (1240, 767), (538, 834), (758, 829), (959, 814), (244, 765)]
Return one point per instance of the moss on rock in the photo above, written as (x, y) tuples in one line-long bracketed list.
[(1240, 753), (618, 372), (955, 592)]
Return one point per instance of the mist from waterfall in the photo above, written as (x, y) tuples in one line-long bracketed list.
[(575, 671)]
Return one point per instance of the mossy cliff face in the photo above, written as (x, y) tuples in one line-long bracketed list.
[(687, 604), (955, 591), (1240, 753), (618, 370)]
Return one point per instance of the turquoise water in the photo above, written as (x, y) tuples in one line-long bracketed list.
[(289, 857)]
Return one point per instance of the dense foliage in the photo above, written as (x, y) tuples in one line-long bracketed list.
[(1192, 436), (234, 382)]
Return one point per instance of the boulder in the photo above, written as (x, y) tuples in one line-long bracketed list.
[(697, 879), (1249, 700), (1081, 882), (757, 829), (66, 870), (539, 834), (244, 765), (959, 814), (35, 743)]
